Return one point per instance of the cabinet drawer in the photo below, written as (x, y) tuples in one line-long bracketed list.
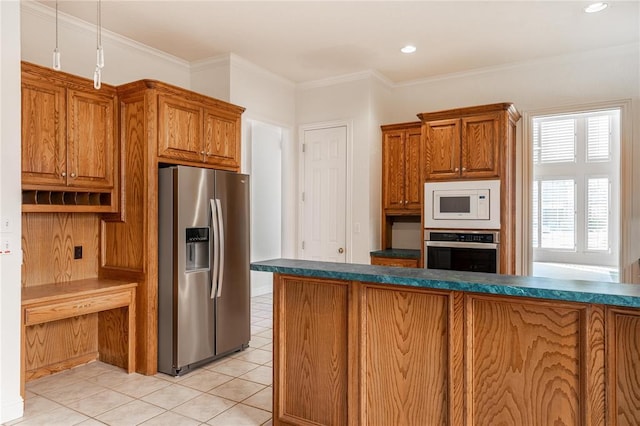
[(392, 261), (75, 307)]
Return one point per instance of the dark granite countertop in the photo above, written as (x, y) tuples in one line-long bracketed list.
[(508, 285), (397, 253)]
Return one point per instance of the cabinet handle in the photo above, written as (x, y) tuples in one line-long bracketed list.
[(64, 174), (464, 169), (457, 169), (73, 175), (201, 152)]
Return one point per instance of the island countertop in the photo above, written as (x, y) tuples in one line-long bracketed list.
[(604, 293)]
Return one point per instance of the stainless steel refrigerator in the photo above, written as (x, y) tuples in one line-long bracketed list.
[(203, 266)]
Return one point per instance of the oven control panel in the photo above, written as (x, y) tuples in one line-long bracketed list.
[(464, 237)]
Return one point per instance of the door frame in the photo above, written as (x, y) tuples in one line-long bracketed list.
[(348, 124), (626, 160)]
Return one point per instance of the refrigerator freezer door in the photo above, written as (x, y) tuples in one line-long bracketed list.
[(194, 320), (233, 328)]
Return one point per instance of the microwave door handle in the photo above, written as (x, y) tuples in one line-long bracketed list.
[(215, 249), (221, 247)]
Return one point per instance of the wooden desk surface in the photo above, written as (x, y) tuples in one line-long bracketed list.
[(86, 287)]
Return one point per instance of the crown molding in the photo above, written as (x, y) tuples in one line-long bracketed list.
[(41, 11), (631, 48)]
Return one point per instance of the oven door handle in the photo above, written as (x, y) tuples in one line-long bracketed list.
[(458, 244)]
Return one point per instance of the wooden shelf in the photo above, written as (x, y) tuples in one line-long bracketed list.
[(56, 200)]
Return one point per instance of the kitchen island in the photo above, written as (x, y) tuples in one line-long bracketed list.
[(361, 344)]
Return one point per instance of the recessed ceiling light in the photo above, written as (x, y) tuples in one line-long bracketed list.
[(596, 7), (408, 49)]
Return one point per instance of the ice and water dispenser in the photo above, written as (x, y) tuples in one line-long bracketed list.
[(197, 250)]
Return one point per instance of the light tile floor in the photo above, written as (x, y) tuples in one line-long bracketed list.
[(233, 391)]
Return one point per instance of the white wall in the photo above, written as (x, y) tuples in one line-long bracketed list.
[(266, 200), (125, 60), (11, 404), (212, 77), (351, 101), (381, 93), (599, 75), (270, 99), (572, 80)]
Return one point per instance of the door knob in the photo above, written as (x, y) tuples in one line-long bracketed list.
[(340, 250)]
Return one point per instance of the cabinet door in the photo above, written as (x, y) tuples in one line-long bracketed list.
[(91, 146), (312, 353), (481, 146), (442, 149), (43, 132), (623, 374), (180, 129), (405, 358), (222, 139), (413, 182), (393, 162), (531, 362)]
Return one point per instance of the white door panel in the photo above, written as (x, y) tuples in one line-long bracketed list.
[(325, 160)]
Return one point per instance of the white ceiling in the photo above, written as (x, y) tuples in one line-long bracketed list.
[(311, 40)]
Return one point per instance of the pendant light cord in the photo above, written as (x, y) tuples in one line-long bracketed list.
[(56, 24), (99, 26)]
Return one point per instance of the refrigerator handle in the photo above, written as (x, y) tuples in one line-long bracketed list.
[(215, 248), (220, 247)]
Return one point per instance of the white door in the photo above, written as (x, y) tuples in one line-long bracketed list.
[(324, 194)]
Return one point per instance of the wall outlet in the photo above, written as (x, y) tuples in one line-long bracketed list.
[(77, 252)]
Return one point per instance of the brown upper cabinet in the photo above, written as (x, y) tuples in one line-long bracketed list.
[(69, 135), (159, 124), (466, 142), (401, 181), (198, 131)]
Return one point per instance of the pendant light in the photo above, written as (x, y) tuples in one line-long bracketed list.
[(56, 51), (97, 75)]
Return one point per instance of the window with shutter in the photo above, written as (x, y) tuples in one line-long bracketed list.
[(575, 188)]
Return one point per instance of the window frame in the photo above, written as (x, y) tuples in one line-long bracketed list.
[(525, 259)]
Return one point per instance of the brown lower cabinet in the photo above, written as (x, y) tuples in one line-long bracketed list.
[(353, 353)]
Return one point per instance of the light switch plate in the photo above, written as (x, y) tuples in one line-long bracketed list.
[(5, 225)]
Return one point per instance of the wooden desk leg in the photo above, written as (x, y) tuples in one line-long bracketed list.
[(131, 361)]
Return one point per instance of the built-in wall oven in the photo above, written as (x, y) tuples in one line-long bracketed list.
[(461, 250)]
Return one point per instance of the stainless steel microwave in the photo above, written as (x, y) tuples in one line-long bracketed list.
[(472, 204)]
